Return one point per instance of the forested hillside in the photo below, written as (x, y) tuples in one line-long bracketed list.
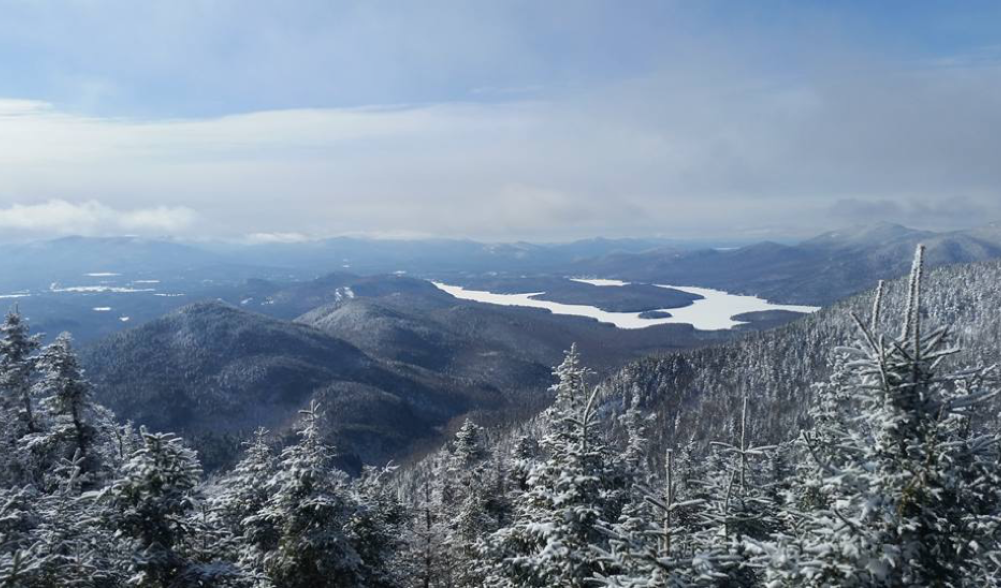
[(215, 373), (857, 448), (697, 394)]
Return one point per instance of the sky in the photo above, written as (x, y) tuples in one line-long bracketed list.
[(496, 120)]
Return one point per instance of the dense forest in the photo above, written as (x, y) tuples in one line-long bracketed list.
[(860, 450)]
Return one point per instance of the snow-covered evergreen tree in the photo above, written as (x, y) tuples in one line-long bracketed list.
[(18, 462), (300, 532), (376, 529), (74, 425), (17, 367), (472, 503), (149, 504), (905, 488), (67, 547), (242, 494), (549, 542)]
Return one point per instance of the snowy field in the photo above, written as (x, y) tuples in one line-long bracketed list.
[(713, 312)]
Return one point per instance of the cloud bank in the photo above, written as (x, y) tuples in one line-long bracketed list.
[(93, 218), (525, 120)]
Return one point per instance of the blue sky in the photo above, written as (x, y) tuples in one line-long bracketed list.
[(497, 120)]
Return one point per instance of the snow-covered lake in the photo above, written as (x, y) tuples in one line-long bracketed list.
[(713, 312)]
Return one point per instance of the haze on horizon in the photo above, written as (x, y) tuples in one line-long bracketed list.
[(496, 120)]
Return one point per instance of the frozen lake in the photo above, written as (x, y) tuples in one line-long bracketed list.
[(713, 312)]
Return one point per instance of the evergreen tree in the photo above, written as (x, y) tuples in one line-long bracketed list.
[(76, 425), (556, 519), (300, 531), (905, 487), (17, 366), (149, 504), (648, 548), (67, 548), (739, 508), (472, 511), (643, 548), (376, 529), (243, 493)]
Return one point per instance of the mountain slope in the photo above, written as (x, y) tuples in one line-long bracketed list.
[(697, 394), (818, 271), (211, 371)]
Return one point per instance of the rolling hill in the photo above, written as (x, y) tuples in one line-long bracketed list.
[(214, 373)]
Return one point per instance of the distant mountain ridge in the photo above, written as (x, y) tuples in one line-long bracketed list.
[(817, 271), (161, 275)]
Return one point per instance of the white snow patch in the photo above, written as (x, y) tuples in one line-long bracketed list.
[(713, 312), (3, 296), (168, 295), (102, 308), (146, 281), (599, 282), (54, 287), (124, 319), (102, 275)]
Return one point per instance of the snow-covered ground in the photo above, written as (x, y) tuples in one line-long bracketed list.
[(94, 289), (713, 312), (599, 282)]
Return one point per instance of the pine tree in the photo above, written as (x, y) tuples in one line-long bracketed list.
[(300, 532), (376, 528), (649, 547), (739, 508), (905, 487), (77, 426), (569, 492), (150, 503), (17, 366), (68, 549), (523, 459), (243, 493), (471, 510)]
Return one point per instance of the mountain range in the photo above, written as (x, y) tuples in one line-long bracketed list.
[(398, 362), (816, 271)]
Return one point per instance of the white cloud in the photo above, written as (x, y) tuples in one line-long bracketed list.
[(268, 238), (677, 154), (93, 218)]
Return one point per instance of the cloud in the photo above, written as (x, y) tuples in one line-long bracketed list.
[(93, 218), (948, 213), (676, 152), (269, 238), (520, 119)]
